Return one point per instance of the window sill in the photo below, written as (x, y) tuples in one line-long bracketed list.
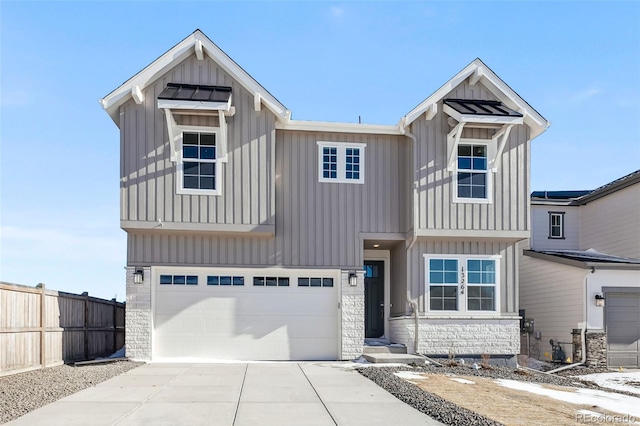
[(555, 238), (353, 181), (198, 192), (457, 200)]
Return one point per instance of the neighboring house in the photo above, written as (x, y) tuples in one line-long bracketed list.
[(255, 236), (582, 273)]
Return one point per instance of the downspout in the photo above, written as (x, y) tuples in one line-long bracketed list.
[(583, 330), (413, 303)]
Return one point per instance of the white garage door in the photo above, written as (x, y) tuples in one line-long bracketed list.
[(245, 314), (623, 329)]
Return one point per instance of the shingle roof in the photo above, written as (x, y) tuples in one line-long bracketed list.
[(196, 93), (481, 107)]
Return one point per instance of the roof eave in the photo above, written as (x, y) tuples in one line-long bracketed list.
[(112, 102), (536, 122), (579, 263)]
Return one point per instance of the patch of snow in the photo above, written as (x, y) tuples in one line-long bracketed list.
[(464, 381), (409, 375), (626, 381), (536, 364), (396, 345), (607, 400)]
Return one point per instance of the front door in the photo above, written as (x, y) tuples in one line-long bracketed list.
[(374, 299)]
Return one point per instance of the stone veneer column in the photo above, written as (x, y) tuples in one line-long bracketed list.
[(352, 316), (138, 317), (596, 349)]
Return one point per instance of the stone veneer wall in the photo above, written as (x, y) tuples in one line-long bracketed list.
[(138, 317), (596, 349), (352, 316), (459, 336)]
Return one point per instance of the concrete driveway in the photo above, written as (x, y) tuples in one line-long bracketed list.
[(262, 394)]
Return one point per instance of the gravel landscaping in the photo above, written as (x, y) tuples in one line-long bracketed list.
[(452, 414), (24, 392)]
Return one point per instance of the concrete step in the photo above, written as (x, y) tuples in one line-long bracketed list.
[(394, 358), (386, 349)]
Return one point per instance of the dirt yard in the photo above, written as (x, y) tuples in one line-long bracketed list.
[(505, 405)]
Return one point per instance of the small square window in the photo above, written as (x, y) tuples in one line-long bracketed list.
[(179, 280), (271, 281), (258, 281), (166, 279), (283, 282), (316, 282), (192, 280), (238, 280), (327, 282), (213, 280), (303, 282), (225, 280)]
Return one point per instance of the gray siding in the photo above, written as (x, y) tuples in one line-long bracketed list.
[(317, 224), (612, 224), (552, 295), (508, 266), (540, 228), (147, 179), (398, 285), (435, 209)]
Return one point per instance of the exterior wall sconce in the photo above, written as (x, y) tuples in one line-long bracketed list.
[(599, 300), (353, 279), (138, 276)]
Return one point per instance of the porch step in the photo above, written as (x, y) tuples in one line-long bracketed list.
[(381, 358), (384, 349)]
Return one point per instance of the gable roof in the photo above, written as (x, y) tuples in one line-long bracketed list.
[(479, 71), (199, 44)]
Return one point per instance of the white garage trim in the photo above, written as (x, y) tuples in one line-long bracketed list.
[(161, 294)]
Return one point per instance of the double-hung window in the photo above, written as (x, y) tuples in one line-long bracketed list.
[(463, 283), (341, 162), (472, 173), (556, 225), (197, 168)]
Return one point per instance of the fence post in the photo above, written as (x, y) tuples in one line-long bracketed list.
[(43, 325), (86, 325), (115, 329)]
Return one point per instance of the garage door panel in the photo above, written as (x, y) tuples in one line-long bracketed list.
[(246, 322), (623, 329)]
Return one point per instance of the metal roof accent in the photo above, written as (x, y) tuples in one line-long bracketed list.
[(481, 107), (196, 93)]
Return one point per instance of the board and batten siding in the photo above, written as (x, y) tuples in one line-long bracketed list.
[(509, 207), (552, 294), (317, 224), (611, 224), (507, 251), (540, 228), (148, 177)]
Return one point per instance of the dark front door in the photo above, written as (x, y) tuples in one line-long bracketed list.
[(374, 298)]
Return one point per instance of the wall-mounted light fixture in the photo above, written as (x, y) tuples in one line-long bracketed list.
[(599, 300), (376, 246), (353, 278), (138, 276)]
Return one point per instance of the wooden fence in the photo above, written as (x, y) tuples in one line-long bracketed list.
[(42, 328)]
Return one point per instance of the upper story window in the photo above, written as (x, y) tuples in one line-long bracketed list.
[(341, 162), (556, 225), (462, 283), (197, 166), (472, 175)]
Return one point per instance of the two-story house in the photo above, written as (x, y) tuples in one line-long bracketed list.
[(580, 280), (252, 235)]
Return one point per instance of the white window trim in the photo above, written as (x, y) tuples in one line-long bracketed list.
[(342, 163), (561, 216), (462, 299), (489, 172), (180, 163)]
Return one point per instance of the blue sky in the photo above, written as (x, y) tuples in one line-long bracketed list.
[(577, 63)]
